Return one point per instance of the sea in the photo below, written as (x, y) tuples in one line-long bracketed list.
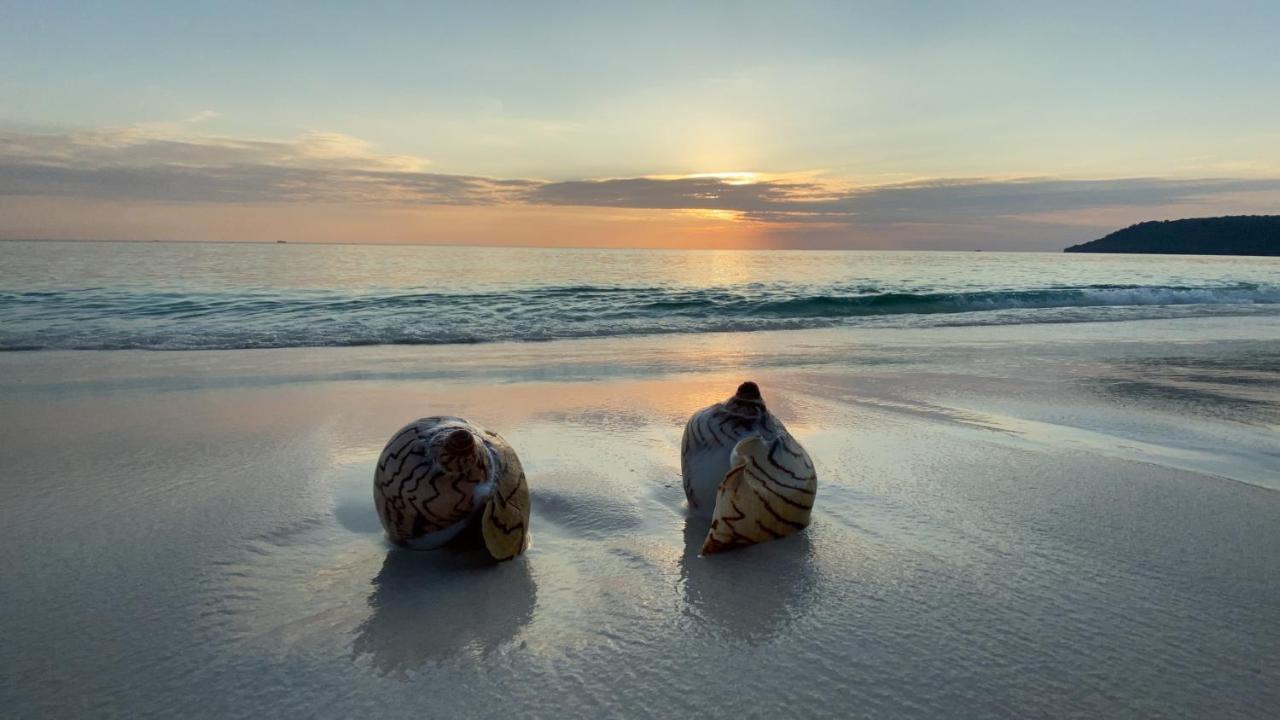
[(204, 296)]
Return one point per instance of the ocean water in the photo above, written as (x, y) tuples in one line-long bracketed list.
[(174, 296)]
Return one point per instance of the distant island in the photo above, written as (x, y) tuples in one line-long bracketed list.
[(1233, 235)]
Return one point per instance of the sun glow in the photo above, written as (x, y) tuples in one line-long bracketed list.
[(711, 214), (732, 178), (729, 178)]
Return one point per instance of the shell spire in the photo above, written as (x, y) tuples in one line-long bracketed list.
[(749, 391), (440, 475), (745, 472)]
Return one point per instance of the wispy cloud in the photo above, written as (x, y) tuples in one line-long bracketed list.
[(202, 116), (932, 201), (157, 144), (157, 164), (168, 163)]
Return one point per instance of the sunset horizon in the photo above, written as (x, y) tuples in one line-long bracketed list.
[(992, 127), (732, 359)]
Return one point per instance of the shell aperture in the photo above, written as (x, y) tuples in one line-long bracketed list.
[(745, 472), (437, 476)]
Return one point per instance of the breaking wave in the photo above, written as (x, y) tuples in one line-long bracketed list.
[(114, 318)]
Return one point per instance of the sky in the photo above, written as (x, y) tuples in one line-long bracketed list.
[(894, 125)]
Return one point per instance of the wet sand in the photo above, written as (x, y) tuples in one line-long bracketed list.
[(1074, 521)]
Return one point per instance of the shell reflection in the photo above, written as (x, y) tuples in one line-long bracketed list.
[(437, 607), (750, 596)]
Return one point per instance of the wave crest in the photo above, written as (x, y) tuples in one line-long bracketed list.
[(106, 318)]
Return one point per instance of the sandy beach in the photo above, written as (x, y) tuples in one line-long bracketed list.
[(1023, 521)]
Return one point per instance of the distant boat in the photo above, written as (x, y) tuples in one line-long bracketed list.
[(282, 242)]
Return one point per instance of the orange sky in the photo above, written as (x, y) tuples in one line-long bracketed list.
[(1023, 126), (61, 218)]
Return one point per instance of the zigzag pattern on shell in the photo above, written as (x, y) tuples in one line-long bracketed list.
[(744, 470), (438, 476)]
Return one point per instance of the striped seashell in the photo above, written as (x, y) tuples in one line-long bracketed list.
[(744, 471), (709, 439), (440, 475)]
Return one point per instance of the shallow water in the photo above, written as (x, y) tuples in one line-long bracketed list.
[(209, 296), (1030, 521)]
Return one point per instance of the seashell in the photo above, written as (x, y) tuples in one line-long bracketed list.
[(709, 439), (439, 476), (745, 472)]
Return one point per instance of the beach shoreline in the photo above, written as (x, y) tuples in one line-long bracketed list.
[(1010, 520)]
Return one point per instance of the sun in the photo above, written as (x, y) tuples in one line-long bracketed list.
[(730, 178)]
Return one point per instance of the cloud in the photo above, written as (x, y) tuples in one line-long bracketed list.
[(981, 199), (166, 163), (167, 144), (202, 116), (152, 163), (689, 193), (935, 201)]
